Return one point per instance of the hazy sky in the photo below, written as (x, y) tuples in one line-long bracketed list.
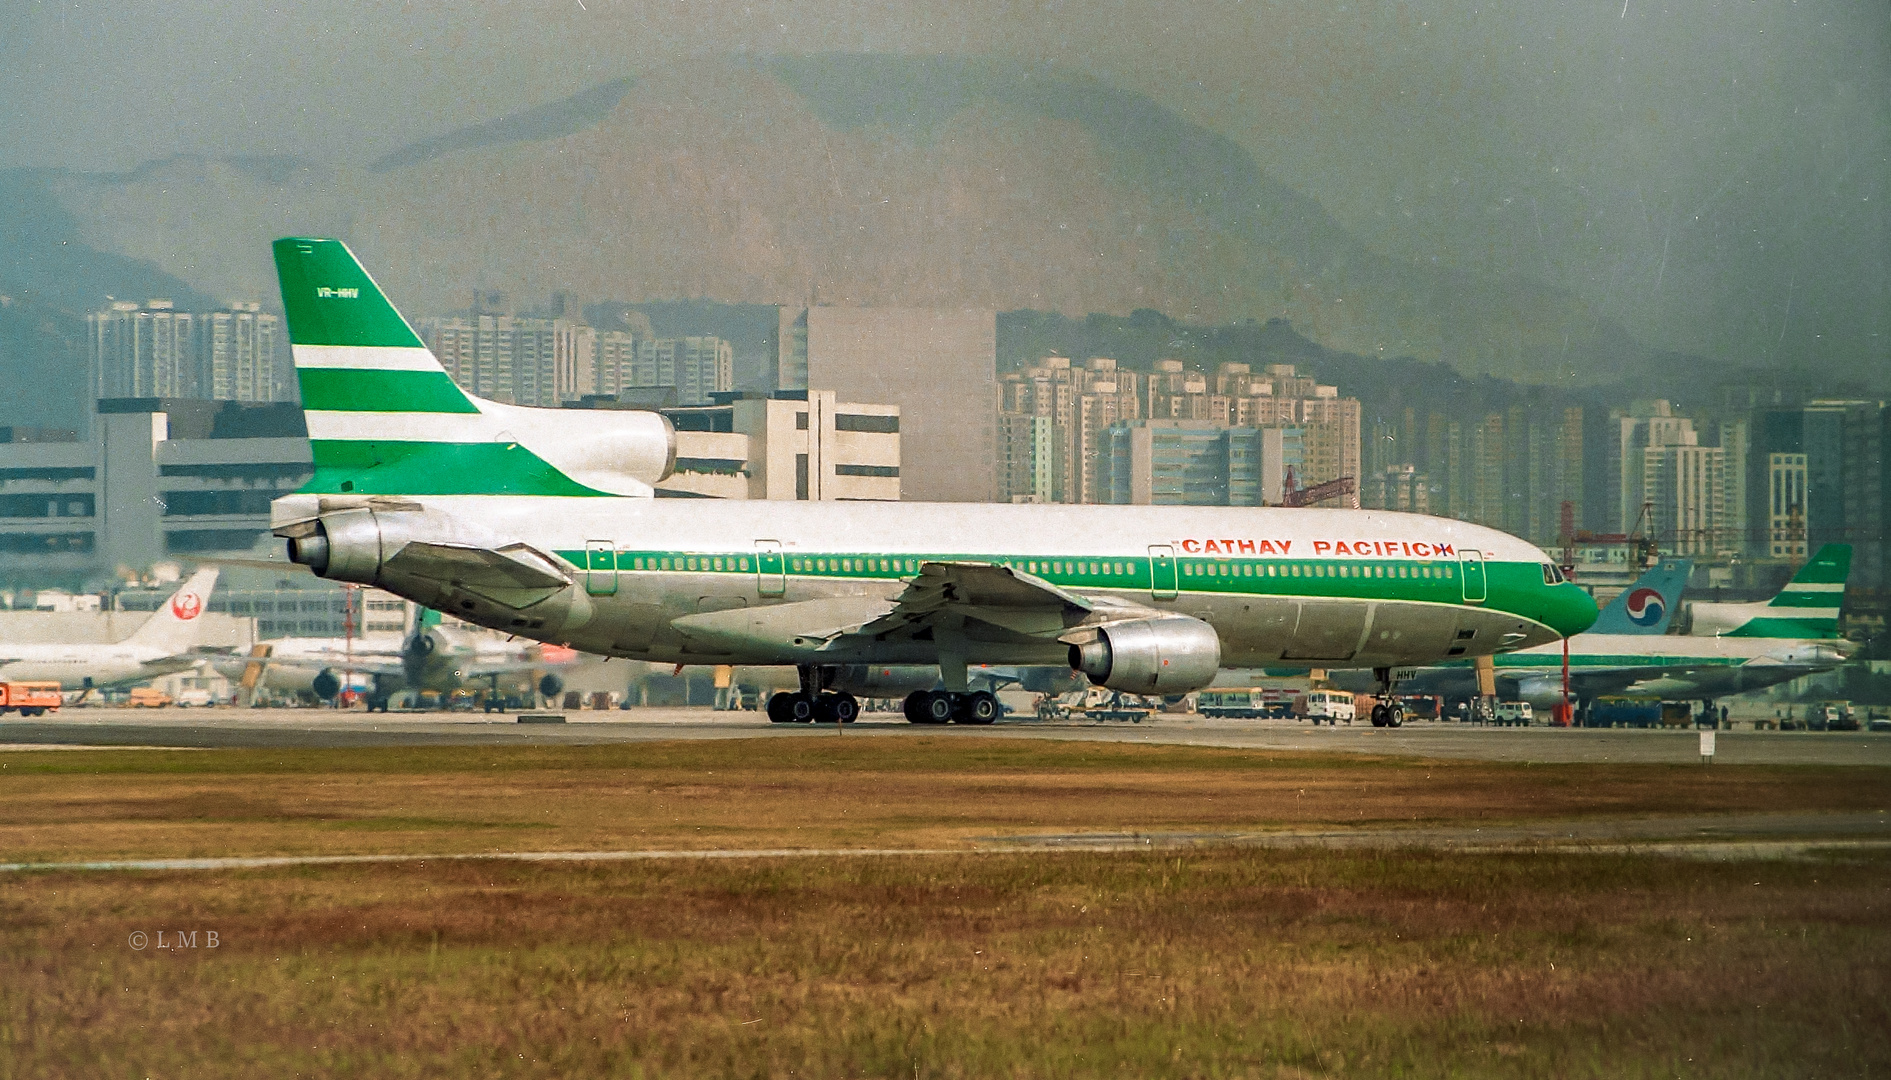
[(1712, 174)]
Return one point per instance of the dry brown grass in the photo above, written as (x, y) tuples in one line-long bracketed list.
[(1222, 963), (909, 792)]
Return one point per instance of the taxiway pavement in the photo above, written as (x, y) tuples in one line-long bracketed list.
[(230, 727)]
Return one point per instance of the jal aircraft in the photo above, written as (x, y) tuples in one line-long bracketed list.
[(163, 645), (541, 523)]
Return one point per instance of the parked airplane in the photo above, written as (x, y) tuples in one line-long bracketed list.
[(1806, 608), (1666, 666), (540, 522), (1649, 605), (163, 645), (431, 657)]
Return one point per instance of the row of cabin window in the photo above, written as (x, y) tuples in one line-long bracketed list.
[(702, 562), (1323, 570), (1085, 569)]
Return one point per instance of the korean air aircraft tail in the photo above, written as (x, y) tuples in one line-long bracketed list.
[(385, 418), (1806, 608), (1647, 606), (177, 627)]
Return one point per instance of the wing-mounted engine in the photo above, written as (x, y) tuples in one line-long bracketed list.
[(1162, 654), (432, 557)]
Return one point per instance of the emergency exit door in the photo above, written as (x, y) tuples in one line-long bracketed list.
[(770, 576), (1162, 581), (600, 568), (1471, 564)]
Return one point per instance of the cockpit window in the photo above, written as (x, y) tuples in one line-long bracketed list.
[(1553, 574)]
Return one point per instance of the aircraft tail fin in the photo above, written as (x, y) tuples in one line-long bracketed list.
[(1647, 606), (1809, 604), (386, 418), (177, 627)]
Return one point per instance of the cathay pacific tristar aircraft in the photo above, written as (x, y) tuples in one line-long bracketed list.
[(540, 522), (163, 645)]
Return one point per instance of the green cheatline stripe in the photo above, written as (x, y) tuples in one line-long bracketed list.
[(433, 468), (1788, 628), (378, 390), (331, 300), (1510, 583)]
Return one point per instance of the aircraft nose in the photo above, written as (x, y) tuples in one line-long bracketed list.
[(1572, 611)]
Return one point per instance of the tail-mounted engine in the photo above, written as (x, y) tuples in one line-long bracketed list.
[(1166, 654)]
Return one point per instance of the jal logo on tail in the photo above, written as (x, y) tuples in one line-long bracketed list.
[(187, 605), (1645, 607)]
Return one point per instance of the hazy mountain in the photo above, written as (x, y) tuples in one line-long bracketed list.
[(836, 179)]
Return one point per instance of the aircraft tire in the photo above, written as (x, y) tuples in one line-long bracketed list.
[(838, 708), (1379, 718), (976, 708), (778, 709), (933, 707), (802, 709)]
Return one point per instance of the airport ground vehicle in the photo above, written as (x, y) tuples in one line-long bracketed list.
[(1514, 714), (147, 697), (1329, 705), (1877, 718), (1249, 703), (1831, 716), (1094, 703), (29, 698), (1623, 712), (195, 697)]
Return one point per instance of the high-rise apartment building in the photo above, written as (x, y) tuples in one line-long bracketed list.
[(1399, 487), (696, 366), (518, 360), (1198, 463), (154, 350), (939, 366), (1070, 409)]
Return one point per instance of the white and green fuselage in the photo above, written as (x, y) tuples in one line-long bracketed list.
[(540, 522)]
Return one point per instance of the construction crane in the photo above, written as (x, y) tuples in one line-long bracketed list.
[(1292, 494)]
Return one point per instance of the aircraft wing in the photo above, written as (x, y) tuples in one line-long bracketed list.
[(370, 664), (976, 600), (1001, 597)]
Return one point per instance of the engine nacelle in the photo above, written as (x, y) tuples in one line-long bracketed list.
[(1168, 654)]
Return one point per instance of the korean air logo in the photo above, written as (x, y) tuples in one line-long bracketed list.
[(187, 605), (1645, 607)]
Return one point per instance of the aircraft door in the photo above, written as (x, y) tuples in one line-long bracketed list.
[(770, 576), (1162, 571), (600, 568), (1472, 566)]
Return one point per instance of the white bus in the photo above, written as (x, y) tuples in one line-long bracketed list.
[(1329, 705)]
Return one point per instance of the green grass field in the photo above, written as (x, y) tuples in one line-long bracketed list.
[(1215, 962)]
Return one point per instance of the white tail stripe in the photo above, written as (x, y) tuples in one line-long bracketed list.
[(365, 357), (1815, 587), (405, 427)]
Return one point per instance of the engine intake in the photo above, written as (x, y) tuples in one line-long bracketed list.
[(1171, 654)]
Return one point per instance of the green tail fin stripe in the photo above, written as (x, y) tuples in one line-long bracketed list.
[(435, 468), (1830, 565), (1788, 628), (372, 390), (331, 300)]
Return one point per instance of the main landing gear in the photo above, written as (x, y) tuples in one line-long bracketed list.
[(944, 706), (1388, 712), (814, 704)]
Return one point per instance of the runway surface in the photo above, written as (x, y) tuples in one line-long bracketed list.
[(268, 728)]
